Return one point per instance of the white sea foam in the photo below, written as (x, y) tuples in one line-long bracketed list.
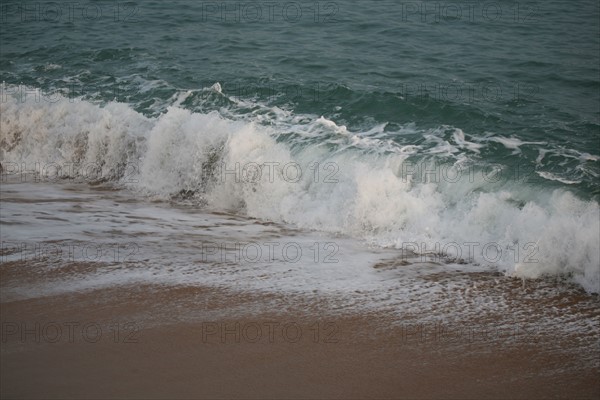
[(553, 177), (512, 143), (520, 230)]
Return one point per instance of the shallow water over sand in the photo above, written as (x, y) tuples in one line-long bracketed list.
[(70, 239)]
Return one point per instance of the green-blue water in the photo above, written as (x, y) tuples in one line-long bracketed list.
[(524, 70)]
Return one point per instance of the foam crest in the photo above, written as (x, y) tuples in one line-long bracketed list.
[(240, 165)]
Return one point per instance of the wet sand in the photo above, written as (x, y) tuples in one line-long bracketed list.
[(200, 342)]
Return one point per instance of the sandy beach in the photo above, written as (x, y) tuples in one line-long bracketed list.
[(156, 341)]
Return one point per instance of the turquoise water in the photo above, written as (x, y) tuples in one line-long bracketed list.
[(522, 70), (484, 86)]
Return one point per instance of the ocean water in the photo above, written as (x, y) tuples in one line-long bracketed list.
[(464, 136)]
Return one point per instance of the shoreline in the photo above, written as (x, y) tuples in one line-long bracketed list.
[(154, 317)]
